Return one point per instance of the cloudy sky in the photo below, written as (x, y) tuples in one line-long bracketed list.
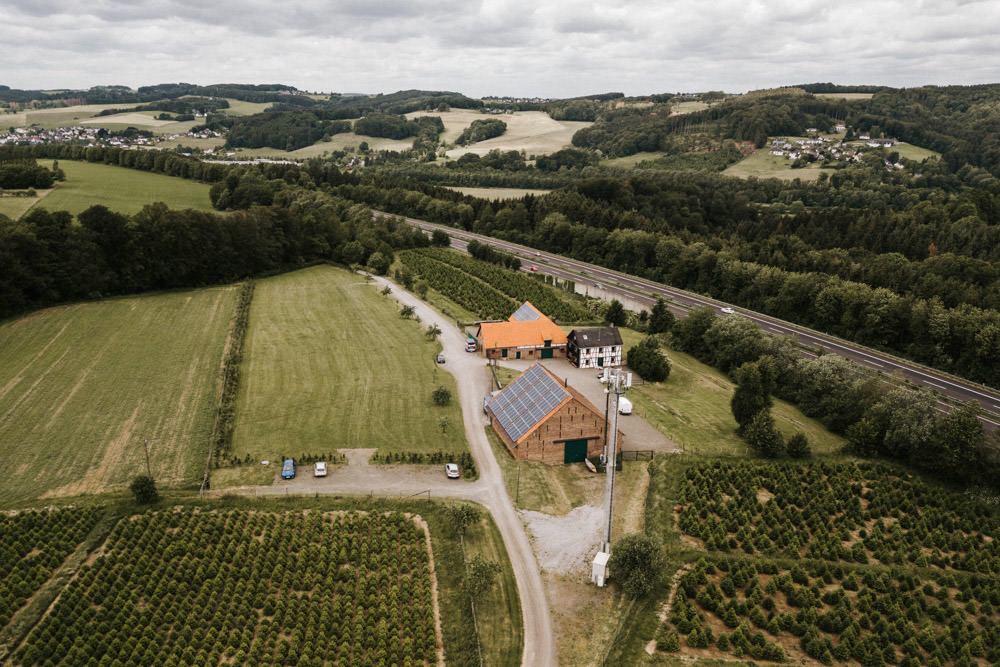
[(549, 48)]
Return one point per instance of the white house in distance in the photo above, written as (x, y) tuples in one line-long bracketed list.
[(594, 348)]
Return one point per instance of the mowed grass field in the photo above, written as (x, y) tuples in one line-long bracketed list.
[(692, 408), (762, 164), (121, 189), (911, 152), (329, 364), (500, 193), (534, 132), (82, 386), (14, 207)]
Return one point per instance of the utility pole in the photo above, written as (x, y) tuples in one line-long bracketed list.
[(145, 446), (618, 382)]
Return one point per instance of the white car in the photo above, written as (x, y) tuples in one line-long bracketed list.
[(728, 311), (451, 470), (319, 470)]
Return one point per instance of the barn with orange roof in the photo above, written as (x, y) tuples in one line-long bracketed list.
[(527, 334), (541, 418)]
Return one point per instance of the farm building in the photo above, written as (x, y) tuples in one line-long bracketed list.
[(594, 348), (541, 418), (527, 334)]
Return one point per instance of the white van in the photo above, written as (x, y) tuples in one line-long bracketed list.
[(624, 406)]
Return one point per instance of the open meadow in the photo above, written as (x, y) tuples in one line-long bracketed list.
[(534, 132), (82, 386), (15, 207), (915, 153), (500, 193), (121, 189), (329, 364), (692, 408), (761, 164)]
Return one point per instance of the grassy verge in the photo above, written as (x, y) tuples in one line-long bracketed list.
[(123, 190), (498, 610), (84, 385), (540, 487), (692, 408), (324, 353)]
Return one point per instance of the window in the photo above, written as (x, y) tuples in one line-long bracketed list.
[(548, 343)]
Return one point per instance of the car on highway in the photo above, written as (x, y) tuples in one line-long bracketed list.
[(319, 470), (727, 311), (599, 285), (451, 470), (532, 268)]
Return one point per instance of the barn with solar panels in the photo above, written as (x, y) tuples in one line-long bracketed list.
[(527, 334), (541, 418)]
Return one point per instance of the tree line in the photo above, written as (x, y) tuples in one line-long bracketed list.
[(896, 422), (47, 257)]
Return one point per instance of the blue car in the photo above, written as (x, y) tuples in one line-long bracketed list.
[(288, 469)]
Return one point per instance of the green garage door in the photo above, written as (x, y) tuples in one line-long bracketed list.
[(575, 451), (547, 354)]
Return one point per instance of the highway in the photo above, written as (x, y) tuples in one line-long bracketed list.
[(645, 292)]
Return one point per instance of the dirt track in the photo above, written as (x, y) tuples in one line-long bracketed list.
[(471, 376)]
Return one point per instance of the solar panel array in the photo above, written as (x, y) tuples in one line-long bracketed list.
[(526, 401), (525, 313)]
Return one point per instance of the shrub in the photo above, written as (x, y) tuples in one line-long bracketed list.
[(144, 490), (637, 562)]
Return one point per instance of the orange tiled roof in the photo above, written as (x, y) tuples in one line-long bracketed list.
[(516, 333)]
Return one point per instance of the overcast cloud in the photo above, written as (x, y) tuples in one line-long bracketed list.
[(547, 48)]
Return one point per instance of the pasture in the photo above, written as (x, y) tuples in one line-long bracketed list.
[(121, 189), (329, 363), (687, 107), (692, 408), (850, 97), (911, 152), (82, 386), (761, 164), (500, 193), (631, 161), (143, 120), (534, 132), (14, 207), (62, 117)]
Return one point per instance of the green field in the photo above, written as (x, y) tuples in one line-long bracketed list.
[(500, 193), (330, 364), (687, 107), (911, 152), (762, 164), (692, 409), (120, 189), (82, 386), (631, 161), (14, 207)]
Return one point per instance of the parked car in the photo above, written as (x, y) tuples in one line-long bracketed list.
[(319, 470), (288, 469), (451, 469), (440, 358)]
